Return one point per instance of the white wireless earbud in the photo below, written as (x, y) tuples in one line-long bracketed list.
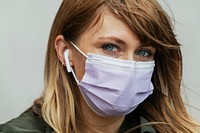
[(69, 68), (66, 54)]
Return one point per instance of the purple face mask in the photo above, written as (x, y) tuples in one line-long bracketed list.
[(114, 87)]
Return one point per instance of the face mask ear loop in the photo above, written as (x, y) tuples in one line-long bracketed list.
[(69, 68), (75, 76), (78, 49)]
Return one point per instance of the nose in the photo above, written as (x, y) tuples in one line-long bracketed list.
[(128, 56)]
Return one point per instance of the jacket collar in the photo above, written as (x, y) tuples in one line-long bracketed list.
[(147, 128)]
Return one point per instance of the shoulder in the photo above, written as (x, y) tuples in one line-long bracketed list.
[(135, 122), (28, 122), (146, 127)]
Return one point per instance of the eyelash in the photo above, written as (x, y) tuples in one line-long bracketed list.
[(147, 53), (106, 47), (141, 53)]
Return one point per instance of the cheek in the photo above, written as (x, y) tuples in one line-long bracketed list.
[(79, 66)]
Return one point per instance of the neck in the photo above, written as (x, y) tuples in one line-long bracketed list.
[(96, 123)]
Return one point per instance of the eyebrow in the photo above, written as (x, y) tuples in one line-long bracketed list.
[(120, 41), (117, 40)]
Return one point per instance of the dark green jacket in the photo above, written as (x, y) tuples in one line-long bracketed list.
[(29, 122)]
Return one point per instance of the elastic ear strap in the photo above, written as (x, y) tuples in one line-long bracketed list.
[(78, 49)]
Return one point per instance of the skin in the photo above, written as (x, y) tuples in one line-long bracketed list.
[(110, 37)]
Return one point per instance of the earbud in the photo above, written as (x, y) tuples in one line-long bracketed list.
[(66, 54)]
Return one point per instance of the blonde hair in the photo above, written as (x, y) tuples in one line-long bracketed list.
[(152, 25)]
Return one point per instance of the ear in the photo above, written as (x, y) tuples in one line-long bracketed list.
[(61, 45)]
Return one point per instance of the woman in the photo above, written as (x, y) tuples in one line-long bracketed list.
[(112, 66)]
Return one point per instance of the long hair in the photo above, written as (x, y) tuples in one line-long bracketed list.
[(152, 25)]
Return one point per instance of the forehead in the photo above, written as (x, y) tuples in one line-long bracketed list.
[(108, 24)]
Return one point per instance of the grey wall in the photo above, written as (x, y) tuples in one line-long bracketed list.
[(24, 30), (187, 28)]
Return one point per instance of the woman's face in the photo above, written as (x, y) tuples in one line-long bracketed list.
[(110, 37)]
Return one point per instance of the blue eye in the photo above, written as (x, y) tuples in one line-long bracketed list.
[(110, 48), (143, 53)]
